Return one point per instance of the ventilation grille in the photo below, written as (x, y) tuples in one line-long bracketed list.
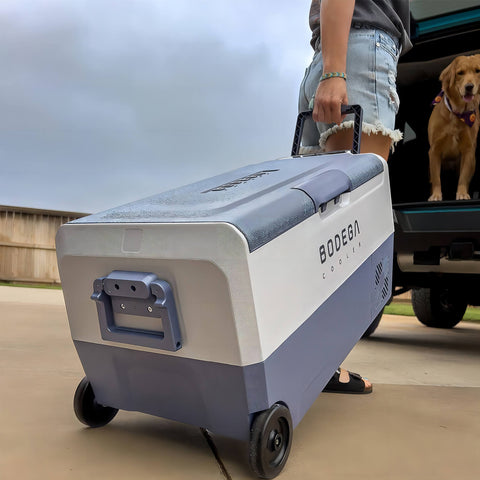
[(385, 289), (378, 273), (382, 281)]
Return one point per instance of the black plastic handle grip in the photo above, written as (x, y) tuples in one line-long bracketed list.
[(346, 109)]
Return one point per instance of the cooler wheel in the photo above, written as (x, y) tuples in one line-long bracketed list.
[(373, 326), (87, 410), (270, 441)]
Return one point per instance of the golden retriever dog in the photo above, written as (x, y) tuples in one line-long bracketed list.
[(453, 125)]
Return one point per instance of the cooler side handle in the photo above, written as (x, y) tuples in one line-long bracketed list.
[(138, 294)]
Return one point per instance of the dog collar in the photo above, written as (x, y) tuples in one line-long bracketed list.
[(467, 117)]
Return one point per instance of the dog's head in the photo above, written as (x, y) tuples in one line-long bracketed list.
[(461, 79)]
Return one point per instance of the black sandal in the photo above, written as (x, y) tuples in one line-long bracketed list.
[(356, 384)]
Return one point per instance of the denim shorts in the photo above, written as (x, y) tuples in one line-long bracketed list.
[(372, 59)]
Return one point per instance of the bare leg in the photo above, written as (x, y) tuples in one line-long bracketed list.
[(374, 143)]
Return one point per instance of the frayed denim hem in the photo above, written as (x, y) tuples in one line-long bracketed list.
[(367, 128)]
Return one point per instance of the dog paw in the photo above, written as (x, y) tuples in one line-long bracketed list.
[(435, 197), (463, 196)]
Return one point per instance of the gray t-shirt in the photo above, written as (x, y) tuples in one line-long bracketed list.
[(392, 16)]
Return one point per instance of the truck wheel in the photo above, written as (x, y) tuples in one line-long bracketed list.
[(373, 326), (438, 307), (86, 408), (270, 441)]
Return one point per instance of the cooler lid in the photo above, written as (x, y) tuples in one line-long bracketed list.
[(262, 200)]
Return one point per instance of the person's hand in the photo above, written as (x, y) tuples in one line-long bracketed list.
[(330, 96)]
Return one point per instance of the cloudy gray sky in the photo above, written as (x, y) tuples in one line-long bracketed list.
[(108, 101)]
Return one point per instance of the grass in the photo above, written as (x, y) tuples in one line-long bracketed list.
[(400, 308), (31, 285)]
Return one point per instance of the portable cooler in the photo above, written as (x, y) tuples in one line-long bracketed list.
[(229, 303)]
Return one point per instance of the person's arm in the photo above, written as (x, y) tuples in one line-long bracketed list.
[(335, 21)]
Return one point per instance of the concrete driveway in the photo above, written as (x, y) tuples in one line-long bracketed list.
[(421, 422)]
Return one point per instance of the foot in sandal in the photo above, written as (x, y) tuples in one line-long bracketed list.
[(344, 381)]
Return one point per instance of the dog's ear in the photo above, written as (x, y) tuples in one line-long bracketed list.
[(447, 77)]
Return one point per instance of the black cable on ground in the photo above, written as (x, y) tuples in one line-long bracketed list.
[(214, 450)]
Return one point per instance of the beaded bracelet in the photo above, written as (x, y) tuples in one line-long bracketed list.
[(328, 75)]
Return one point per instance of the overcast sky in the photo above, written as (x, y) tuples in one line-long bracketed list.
[(108, 101)]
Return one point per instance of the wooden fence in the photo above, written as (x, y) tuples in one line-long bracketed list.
[(27, 243)]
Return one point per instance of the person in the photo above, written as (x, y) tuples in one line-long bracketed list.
[(357, 44)]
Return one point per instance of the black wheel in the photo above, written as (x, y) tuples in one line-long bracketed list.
[(438, 307), (270, 441), (373, 326), (87, 410)]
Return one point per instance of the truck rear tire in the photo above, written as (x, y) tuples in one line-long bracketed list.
[(438, 307)]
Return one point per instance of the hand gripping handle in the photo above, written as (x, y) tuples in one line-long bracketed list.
[(346, 109)]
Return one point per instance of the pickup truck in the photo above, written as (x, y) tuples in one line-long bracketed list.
[(437, 244)]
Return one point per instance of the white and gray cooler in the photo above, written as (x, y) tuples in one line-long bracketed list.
[(229, 303)]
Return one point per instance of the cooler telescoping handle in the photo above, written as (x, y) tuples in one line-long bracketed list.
[(346, 109)]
